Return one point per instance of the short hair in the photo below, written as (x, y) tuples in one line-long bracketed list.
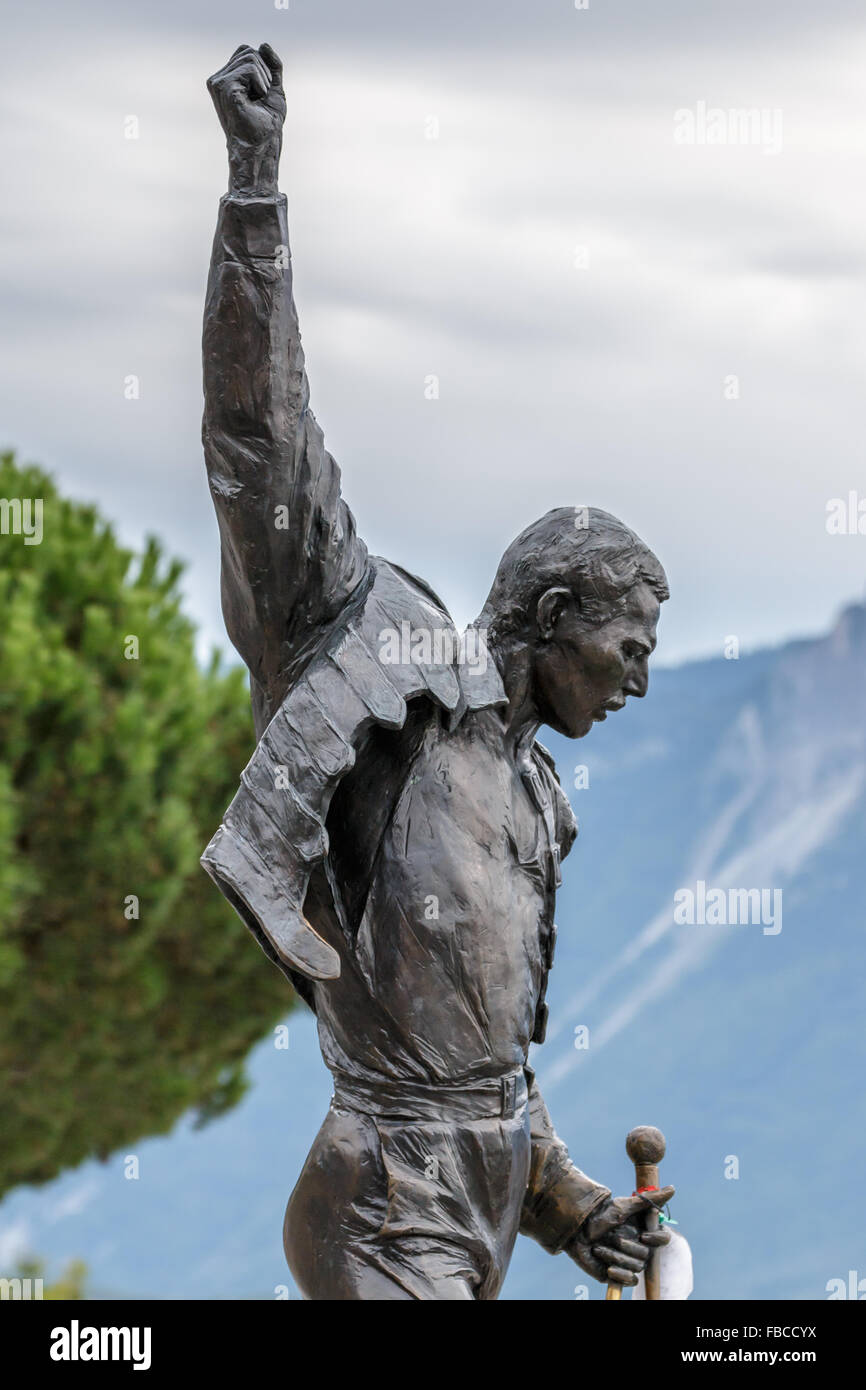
[(583, 549)]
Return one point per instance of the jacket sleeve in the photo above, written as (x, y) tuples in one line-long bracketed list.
[(559, 1196), (290, 554)]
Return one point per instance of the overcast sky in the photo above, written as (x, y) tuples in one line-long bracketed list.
[(600, 384)]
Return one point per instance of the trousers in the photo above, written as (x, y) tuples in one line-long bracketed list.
[(411, 1192)]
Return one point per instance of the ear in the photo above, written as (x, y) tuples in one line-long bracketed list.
[(551, 606)]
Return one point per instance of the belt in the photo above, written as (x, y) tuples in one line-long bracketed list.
[(497, 1097)]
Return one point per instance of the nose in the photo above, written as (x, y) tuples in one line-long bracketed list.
[(637, 682)]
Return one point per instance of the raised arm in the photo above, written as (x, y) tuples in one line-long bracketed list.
[(290, 556), (565, 1210)]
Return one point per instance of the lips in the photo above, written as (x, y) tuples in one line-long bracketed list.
[(609, 707)]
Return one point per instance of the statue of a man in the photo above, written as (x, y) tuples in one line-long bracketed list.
[(395, 844)]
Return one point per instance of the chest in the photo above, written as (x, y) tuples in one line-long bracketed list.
[(486, 832), (454, 859)]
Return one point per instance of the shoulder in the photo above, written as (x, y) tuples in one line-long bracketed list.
[(418, 583)]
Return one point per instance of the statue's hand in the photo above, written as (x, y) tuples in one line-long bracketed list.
[(249, 99), (612, 1245)]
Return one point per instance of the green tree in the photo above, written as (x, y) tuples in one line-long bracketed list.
[(129, 991), (70, 1285)]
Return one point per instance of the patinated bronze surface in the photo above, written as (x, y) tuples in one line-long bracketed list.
[(395, 844)]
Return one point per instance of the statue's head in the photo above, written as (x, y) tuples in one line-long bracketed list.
[(577, 598)]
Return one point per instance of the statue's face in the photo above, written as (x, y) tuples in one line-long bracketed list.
[(582, 674)]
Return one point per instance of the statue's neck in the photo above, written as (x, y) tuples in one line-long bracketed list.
[(514, 661)]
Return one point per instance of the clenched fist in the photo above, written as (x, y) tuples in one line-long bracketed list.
[(249, 99)]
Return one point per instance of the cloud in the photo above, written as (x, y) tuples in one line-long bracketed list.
[(456, 257), (385, 29), (74, 1202)]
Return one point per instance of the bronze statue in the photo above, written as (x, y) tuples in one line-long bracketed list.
[(395, 844)]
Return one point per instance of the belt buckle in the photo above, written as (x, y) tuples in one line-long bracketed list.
[(509, 1097)]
